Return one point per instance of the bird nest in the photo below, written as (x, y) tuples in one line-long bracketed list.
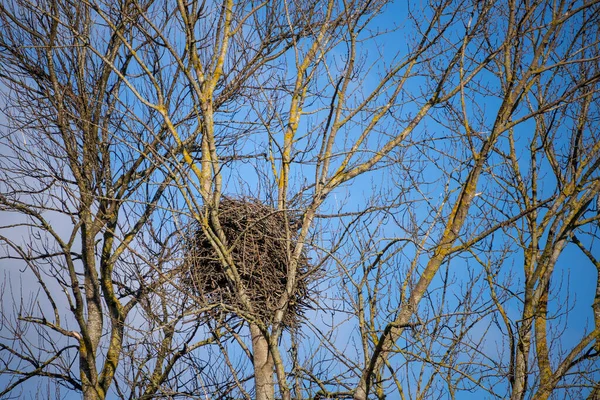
[(259, 239)]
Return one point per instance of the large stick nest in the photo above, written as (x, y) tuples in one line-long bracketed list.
[(260, 239)]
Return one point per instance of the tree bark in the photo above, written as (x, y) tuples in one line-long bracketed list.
[(263, 365)]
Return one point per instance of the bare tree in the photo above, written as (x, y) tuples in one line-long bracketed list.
[(561, 179), (392, 154), (81, 180)]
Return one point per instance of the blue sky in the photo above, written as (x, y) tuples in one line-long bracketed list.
[(422, 177)]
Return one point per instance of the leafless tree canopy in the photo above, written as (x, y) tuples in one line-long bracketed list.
[(300, 199)]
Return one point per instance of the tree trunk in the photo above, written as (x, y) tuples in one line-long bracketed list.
[(263, 366), (90, 393)]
